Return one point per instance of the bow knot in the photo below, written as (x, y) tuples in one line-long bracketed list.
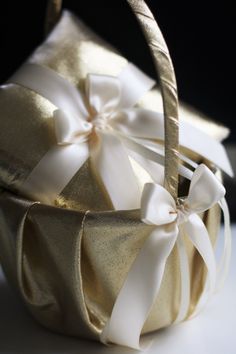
[(101, 121), (108, 111), (183, 211), (159, 208), (103, 95)]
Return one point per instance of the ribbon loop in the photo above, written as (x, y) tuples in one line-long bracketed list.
[(205, 190), (70, 129), (139, 123), (103, 93), (164, 211), (96, 124)]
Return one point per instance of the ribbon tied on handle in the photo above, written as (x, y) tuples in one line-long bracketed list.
[(172, 223)]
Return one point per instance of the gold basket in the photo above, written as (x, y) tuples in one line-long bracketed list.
[(69, 261)]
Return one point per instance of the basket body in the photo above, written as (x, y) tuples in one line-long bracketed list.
[(69, 266)]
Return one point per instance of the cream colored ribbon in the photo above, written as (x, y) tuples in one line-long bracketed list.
[(109, 129), (106, 127), (172, 224)]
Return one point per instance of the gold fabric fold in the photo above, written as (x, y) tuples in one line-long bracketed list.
[(69, 265), (41, 253)]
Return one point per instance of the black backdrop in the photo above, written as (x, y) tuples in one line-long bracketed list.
[(200, 36)]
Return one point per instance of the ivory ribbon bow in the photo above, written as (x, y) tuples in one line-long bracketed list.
[(106, 127), (172, 222), (98, 126)]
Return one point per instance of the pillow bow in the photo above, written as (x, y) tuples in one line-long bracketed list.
[(110, 121), (97, 124), (172, 222), (103, 123)]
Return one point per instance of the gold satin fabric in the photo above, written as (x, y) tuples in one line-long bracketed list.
[(67, 263), (165, 70)]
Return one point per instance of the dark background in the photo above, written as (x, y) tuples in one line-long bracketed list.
[(200, 36)]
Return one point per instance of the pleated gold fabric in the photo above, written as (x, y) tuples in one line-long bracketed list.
[(69, 265)]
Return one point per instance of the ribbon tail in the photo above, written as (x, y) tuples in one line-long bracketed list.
[(54, 171), (198, 234), (185, 280), (146, 153), (110, 161), (154, 169), (140, 289), (223, 266)]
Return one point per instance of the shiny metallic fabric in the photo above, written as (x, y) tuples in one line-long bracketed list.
[(69, 260)]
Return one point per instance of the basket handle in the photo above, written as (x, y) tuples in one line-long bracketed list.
[(166, 75)]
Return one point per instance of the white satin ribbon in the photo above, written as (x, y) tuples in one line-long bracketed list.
[(222, 264), (93, 130), (107, 127), (172, 223)]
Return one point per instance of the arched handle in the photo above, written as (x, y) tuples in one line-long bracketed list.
[(166, 74), (52, 14)]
